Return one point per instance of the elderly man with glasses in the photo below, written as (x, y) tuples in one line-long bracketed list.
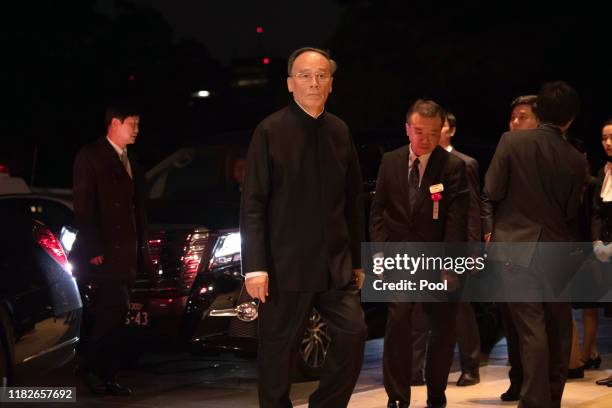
[(301, 224)]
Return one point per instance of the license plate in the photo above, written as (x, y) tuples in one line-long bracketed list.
[(137, 316)]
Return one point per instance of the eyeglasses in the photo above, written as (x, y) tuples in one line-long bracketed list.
[(322, 77)]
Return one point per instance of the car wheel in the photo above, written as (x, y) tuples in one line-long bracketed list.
[(313, 349)]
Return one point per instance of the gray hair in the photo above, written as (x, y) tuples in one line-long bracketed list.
[(300, 51)]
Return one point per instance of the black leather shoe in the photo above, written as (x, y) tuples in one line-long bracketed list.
[(574, 373), (466, 379), (592, 363), (397, 404), (442, 405), (113, 388), (512, 394), (605, 381)]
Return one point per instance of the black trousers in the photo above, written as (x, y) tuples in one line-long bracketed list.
[(514, 352), (281, 325), (420, 336), (397, 354), (545, 333), (106, 309), (468, 338)]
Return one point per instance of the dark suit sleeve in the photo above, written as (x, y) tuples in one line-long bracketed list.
[(377, 230), (473, 180), (85, 202), (353, 211), (254, 205), (498, 173), (455, 229), (596, 217), (486, 213)]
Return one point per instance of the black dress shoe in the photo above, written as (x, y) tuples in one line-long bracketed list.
[(467, 379), (605, 381), (577, 372), (113, 388), (512, 394), (442, 405), (592, 363)]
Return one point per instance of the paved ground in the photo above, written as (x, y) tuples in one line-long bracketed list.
[(182, 380)]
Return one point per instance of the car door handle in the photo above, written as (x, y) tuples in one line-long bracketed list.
[(247, 312)]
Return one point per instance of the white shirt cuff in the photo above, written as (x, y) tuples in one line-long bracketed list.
[(255, 274)]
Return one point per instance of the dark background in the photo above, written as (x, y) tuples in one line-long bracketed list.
[(64, 60)]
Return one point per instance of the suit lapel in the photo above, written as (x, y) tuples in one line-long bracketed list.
[(116, 167), (401, 174)]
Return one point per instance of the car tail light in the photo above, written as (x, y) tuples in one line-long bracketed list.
[(156, 243), (192, 256), (52, 246)]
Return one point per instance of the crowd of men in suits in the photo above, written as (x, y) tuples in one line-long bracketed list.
[(301, 168), (302, 223)]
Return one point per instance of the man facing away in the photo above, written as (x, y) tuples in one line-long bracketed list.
[(536, 179)]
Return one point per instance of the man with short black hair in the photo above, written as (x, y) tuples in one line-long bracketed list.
[(403, 210), (536, 179), (468, 336), (108, 196), (524, 113)]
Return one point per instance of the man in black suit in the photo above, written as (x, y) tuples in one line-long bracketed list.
[(468, 336), (403, 211), (523, 116), (108, 192), (301, 223), (536, 179)]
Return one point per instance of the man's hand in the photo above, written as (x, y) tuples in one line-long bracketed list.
[(359, 277), (602, 252), (98, 260), (257, 287)]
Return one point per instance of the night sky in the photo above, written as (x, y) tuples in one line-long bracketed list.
[(227, 28), (66, 59)]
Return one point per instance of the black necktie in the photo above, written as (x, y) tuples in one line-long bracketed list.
[(413, 184)]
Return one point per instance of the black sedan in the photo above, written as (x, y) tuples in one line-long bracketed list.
[(40, 306), (194, 202)]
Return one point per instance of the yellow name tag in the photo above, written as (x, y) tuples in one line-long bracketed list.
[(436, 188)]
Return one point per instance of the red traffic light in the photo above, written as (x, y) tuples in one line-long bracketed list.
[(266, 60)]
